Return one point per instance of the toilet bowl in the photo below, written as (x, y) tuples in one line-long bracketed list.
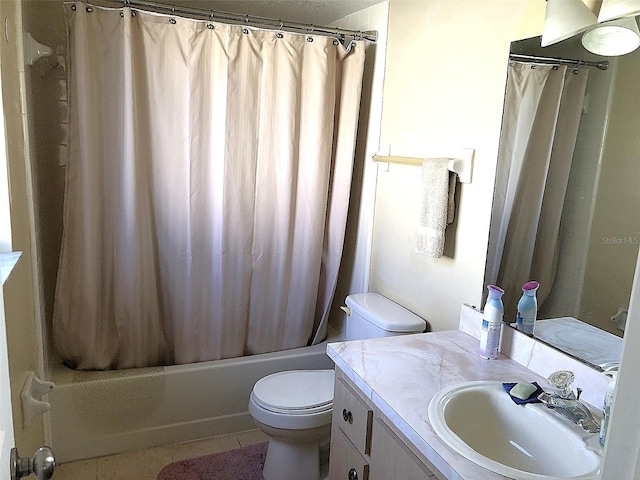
[(294, 407)]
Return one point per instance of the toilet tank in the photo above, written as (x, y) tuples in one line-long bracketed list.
[(370, 315)]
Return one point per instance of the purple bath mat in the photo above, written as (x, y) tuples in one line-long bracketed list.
[(240, 464)]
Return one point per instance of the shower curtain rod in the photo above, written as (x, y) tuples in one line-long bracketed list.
[(561, 61), (248, 20)]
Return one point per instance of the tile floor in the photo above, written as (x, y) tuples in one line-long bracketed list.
[(146, 464)]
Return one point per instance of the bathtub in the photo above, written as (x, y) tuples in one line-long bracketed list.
[(102, 413)]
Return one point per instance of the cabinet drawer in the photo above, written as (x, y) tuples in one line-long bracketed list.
[(346, 463), (353, 416)]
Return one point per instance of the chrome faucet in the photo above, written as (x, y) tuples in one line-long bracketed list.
[(566, 403)]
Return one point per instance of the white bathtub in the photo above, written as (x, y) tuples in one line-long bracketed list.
[(101, 413)]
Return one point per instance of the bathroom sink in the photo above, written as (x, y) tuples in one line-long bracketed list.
[(481, 422)]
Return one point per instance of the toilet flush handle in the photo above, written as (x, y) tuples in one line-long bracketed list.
[(346, 310)]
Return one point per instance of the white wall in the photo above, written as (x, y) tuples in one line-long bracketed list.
[(615, 234), (444, 90), (47, 110)]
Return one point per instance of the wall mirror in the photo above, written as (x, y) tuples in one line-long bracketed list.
[(582, 242)]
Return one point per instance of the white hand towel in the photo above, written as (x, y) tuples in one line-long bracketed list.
[(438, 207)]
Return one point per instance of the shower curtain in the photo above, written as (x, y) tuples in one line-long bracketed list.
[(543, 104), (207, 188)]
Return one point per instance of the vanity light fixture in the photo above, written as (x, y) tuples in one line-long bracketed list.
[(564, 19), (614, 9), (617, 37)]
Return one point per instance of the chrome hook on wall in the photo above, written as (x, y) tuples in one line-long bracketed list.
[(31, 393)]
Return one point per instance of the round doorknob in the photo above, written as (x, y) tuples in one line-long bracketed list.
[(353, 475), (42, 464)]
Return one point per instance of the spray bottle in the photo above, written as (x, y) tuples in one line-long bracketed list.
[(492, 323), (527, 308)]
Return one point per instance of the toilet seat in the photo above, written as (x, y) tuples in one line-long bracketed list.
[(295, 400), (296, 392)]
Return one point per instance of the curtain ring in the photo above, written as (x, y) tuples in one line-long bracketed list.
[(172, 21), (73, 7), (311, 28), (210, 26), (336, 40), (246, 19), (245, 31), (309, 39)]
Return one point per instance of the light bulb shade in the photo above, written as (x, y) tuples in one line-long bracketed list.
[(613, 38), (564, 19), (614, 9)]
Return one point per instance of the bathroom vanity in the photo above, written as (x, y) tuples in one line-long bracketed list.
[(381, 428), (356, 421)]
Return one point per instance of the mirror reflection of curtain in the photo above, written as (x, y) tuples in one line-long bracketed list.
[(543, 105), (207, 188)]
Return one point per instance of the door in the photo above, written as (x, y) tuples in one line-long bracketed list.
[(6, 418)]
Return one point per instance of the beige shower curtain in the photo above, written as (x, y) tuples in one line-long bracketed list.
[(207, 188), (543, 104)]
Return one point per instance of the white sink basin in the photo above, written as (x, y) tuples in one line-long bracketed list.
[(481, 422)]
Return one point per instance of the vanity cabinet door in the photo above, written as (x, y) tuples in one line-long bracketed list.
[(346, 462), (391, 459), (353, 416)]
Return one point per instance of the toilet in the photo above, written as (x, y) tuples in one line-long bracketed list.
[(294, 407)]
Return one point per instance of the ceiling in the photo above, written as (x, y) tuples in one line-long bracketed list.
[(317, 12)]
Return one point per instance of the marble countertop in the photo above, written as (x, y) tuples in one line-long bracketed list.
[(401, 374)]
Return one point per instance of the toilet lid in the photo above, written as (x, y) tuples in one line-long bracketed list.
[(296, 390)]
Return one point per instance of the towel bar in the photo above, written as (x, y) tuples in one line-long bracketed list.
[(462, 164)]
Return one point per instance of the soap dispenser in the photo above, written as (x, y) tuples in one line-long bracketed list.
[(607, 404)]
